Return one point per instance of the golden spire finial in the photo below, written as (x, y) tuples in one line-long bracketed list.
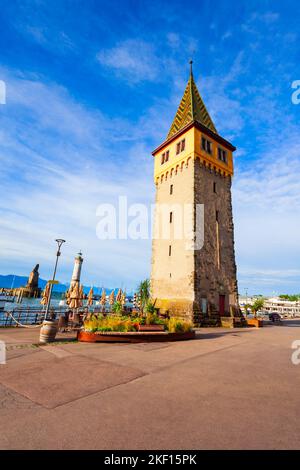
[(191, 67)]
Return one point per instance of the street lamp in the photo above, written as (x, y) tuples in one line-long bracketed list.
[(59, 242)]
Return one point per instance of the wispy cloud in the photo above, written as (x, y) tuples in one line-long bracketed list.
[(135, 60), (54, 190)]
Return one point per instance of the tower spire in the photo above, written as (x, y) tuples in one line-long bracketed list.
[(191, 108)]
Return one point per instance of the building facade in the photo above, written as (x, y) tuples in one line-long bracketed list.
[(285, 308), (193, 259)]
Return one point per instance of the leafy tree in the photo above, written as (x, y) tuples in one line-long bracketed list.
[(291, 298), (257, 305)]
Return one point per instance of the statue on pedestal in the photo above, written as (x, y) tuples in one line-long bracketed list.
[(33, 280), (32, 287)]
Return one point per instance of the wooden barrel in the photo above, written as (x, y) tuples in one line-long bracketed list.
[(48, 331)]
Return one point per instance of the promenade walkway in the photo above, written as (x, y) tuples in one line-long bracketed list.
[(229, 389)]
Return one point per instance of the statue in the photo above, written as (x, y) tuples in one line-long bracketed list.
[(33, 279), (32, 287)]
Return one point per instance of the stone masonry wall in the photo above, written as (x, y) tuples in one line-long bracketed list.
[(211, 280)]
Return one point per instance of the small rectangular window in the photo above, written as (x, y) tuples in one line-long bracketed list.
[(171, 189), (206, 145), (171, 217), (215, 187), (167, 156), (183, 145), (170, 250), (222, 155), (217, 216), (178, 148), (162, 159)]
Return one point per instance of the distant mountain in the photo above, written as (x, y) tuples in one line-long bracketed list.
[(11, 280)]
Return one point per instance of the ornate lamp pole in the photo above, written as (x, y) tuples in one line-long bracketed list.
[(59, 242)]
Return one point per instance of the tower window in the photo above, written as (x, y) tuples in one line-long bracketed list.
[(222, 155), (165, 157), (180, 147), (217, 216), (170, 250), (171, 189), (206, 145), (171, 217), (215, 187)]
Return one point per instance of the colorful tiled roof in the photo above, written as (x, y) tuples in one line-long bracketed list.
[(191, 108)]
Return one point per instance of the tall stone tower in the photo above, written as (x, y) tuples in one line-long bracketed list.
[(193, 169)]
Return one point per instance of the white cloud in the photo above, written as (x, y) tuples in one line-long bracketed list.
[(133, 59), (266, 199), (226, 35), (61, 160)]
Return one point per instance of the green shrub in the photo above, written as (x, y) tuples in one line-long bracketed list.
[(176, 325)]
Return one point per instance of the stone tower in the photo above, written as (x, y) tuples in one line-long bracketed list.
[(193, 259)]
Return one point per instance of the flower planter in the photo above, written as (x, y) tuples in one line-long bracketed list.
[(133, 337), (254, 322), (151, 328)]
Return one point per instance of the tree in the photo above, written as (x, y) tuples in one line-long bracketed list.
[(291, 298), (257, 305), (144, 294), (247, 307)]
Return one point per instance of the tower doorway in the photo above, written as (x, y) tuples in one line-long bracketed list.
[(222, 305)]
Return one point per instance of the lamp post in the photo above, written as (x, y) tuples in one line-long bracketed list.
[(59, 242)]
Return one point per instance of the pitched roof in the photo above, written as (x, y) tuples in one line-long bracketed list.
[(191, 109)]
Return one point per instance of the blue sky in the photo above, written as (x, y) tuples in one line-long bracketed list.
[(92, 88)]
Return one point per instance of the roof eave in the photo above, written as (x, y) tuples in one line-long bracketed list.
[(202, 128)]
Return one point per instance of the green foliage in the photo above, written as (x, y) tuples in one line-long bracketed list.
[(117, 307), (150, 308), (257, 305), (176, 325), (110, 323), (247, 307), (153, 319), (126, 323), (144, 293), (291, 298)]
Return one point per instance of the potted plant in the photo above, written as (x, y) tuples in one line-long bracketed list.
[(257, 305)]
